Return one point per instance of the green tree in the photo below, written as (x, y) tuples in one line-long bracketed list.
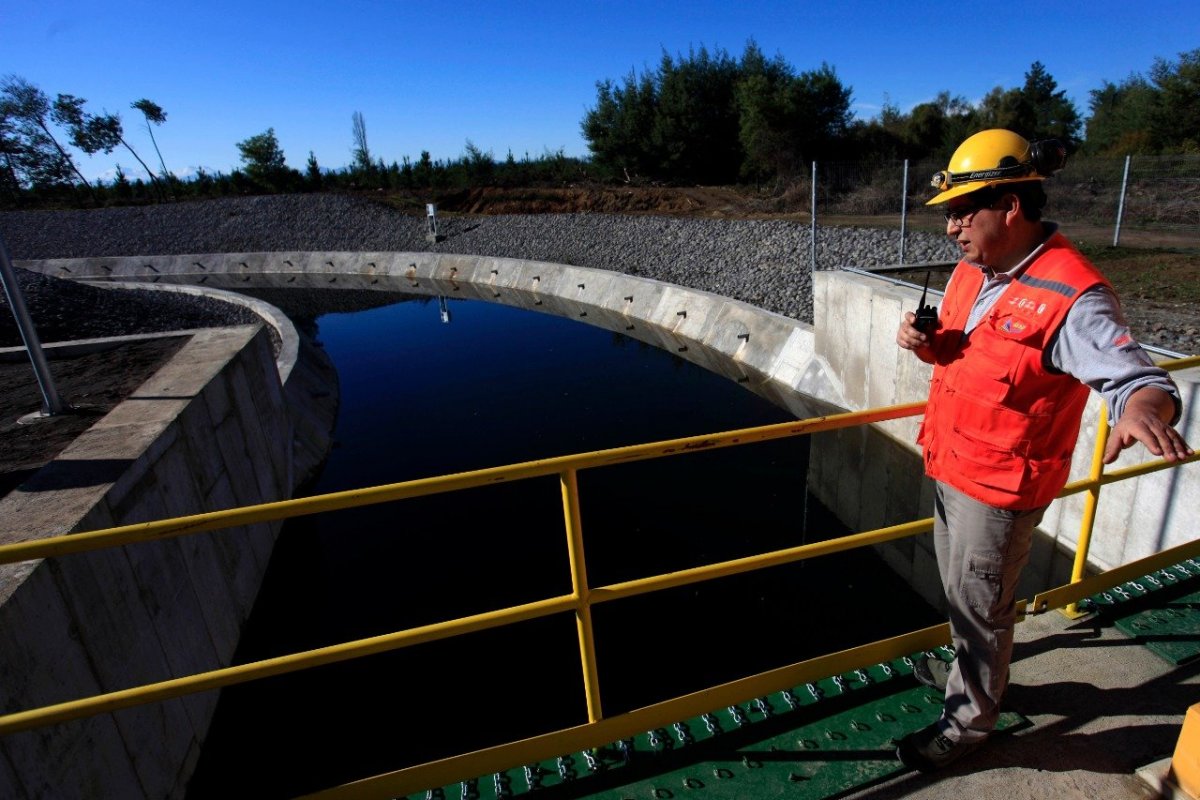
[(423, 171), (360, 151), (1155, 115), (930, 130), (618, 129), (1002, 108), (765, 119), (707, 118), (936, 128), (121, 186), (823, 108), (1176, 120), (10, 150), (1054, 115), (786, 120), (265, 164), (93, 133), (1037, 110), (1122, 118), (695, 131), (313, 171), (480, 166), (154, 115), (42, 161)]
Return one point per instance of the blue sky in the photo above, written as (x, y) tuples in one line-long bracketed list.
[(519, 76)]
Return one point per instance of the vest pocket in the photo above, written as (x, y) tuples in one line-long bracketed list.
[(995, 464), (1055, 469)]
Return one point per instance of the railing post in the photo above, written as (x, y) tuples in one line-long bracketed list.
[(1088, 522), (903, 208), (52, 403), (812, 254), (579, 585), (1121, 202)]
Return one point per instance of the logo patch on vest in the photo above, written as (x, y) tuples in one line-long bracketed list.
[(1014, 326)]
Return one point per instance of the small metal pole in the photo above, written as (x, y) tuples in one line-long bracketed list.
[(432, 233), (1121, 202), (52, 403), (903, 208), (812, 256)]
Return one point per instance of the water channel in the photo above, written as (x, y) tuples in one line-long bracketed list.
[(430, 388)]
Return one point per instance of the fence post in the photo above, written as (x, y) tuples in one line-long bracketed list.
[(903, 208), (52, 404), (812, 254), (1121, 202)]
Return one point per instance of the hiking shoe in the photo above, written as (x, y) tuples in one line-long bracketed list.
[(929, 749), (931, 671)]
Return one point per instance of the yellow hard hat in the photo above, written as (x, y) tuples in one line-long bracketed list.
[(996, 156)]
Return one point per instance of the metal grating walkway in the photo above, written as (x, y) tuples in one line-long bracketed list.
[(1093, 701)]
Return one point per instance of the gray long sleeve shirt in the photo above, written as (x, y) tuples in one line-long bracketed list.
[(1094, 343)]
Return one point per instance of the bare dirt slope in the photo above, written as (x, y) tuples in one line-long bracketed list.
[(712, 202)]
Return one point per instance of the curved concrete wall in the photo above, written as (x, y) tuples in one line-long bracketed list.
[(769, 353), (230, 420), (209, 430)]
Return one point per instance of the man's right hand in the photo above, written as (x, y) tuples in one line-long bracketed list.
[(908, 337)]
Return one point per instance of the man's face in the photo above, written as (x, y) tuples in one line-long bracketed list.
[(978, 227)]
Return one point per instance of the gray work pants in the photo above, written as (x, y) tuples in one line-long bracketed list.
[(980, 552)]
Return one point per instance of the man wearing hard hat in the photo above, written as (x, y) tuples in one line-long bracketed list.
[(1026, 327)]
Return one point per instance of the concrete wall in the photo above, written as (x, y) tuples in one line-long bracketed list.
[(210, 430), (768, 353)]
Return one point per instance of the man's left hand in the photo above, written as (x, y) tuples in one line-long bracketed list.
[(1146, 419)]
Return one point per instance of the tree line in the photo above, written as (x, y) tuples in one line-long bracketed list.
[(711, 118), (701, 118)]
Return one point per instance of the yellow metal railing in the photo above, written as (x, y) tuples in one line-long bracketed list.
[(599, 730)]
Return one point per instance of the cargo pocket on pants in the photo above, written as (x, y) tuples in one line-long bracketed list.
[(983, 584)]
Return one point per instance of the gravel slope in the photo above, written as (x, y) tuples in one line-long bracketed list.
[(765, 263)]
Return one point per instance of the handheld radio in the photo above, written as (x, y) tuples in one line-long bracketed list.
[(926, 315)]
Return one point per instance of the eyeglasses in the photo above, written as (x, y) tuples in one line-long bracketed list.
[(961, 217)]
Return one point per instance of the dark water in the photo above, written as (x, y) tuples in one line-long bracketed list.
[(495, 386)]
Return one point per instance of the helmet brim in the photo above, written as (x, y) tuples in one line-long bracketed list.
[(975, 186)]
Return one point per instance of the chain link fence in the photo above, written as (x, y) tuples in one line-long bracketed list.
[(1141, 201)]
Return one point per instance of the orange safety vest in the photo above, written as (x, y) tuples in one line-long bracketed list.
[(999, 426)]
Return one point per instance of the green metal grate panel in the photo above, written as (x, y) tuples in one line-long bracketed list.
[(810, 742), (1161, 610)]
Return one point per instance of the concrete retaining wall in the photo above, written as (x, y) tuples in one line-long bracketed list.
[(768, 353), (212, 429)]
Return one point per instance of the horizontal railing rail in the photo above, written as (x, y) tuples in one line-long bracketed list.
[(356, 498), (599, 730)]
